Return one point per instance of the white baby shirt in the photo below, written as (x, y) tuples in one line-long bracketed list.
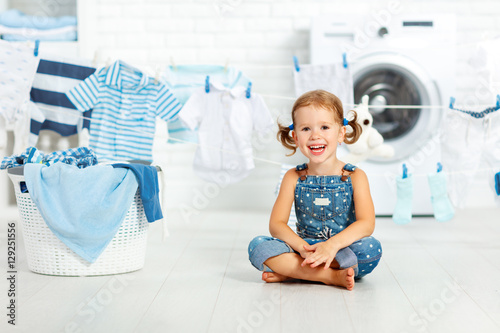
[(226, 119)]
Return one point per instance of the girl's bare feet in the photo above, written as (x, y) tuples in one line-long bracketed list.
[(343, 278), (273, 277)]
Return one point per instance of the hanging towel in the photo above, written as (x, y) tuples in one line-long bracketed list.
[(334, 78), (147, 177), (84, 208)]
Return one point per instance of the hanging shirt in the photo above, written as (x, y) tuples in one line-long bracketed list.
[(184, 80), (225, 119), (334, 78), (54, 77), (17, 69), (125, 104)]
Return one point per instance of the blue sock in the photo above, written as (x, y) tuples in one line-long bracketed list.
[(402, 211), (443, 210)]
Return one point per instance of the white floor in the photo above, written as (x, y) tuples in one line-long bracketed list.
[(433, 277)]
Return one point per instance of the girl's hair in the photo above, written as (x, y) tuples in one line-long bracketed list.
[(328, 101)]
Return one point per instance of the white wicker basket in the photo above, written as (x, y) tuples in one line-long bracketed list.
[(46, 254)]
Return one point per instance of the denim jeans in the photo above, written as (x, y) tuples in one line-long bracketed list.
[(366, 253)]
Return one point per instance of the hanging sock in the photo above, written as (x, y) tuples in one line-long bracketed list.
[(402, 211), (443, 210)]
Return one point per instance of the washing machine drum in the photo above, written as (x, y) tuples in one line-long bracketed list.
[(400, 82)]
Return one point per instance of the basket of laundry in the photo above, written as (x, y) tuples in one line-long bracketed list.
[(48, 253)]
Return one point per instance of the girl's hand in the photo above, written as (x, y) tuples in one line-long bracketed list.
[(323, 252), (305, 253)]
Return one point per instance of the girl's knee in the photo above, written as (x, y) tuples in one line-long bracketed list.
[(264, 247), (368, 250), (257, 241)]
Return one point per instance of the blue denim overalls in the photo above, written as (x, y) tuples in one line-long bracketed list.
[(324, 207)]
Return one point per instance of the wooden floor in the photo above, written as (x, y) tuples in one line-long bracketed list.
[(433, 277)]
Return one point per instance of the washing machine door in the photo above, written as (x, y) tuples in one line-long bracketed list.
[(394, 79)]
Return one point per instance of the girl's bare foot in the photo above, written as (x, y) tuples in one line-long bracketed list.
[(274, 277), (343, 278)]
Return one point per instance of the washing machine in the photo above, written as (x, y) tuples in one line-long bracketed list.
[(401, 60)]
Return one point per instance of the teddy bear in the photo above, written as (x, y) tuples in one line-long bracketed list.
[(370, 143)]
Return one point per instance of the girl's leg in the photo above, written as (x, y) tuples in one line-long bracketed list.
[(368, 251), (288, 265)]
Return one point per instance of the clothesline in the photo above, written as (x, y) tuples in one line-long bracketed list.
[(415, 107), (205, 146)]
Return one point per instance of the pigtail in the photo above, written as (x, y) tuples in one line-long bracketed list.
[(286, 139), (353, 135)]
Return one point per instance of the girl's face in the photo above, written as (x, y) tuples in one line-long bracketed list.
[(317, 134)]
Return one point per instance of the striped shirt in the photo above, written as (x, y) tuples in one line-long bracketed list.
[(54, 77), (125, 105)]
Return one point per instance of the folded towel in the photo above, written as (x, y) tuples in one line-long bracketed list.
[(84, 208), (147, 177), (14, 18), (68, 33)]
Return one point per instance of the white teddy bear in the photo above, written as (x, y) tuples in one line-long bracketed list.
[(370, 142)]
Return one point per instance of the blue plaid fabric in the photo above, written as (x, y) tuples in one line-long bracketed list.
[(81, 157)]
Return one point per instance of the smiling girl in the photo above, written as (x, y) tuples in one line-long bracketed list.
[(334, 208)]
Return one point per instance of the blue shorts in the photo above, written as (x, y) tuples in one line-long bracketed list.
[(365, 253)]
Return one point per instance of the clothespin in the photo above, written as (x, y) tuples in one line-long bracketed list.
[(405, 171), (344, 59), (37, 46), (498, 102), (207, 84), (296, 63), (249, 89), (439, 167), (452, 101)]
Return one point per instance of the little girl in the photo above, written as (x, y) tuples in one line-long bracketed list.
[(332, 199)]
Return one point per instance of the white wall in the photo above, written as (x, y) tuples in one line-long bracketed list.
[(259, 37)]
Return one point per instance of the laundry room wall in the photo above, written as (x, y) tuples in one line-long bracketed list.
[(259, 37)]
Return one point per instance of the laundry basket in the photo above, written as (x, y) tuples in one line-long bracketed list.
[(46, 254)]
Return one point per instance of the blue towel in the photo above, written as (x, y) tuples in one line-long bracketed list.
[(84, 208), (147, 177), (60, 37)]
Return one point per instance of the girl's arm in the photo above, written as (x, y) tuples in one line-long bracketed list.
[(363, 226), (278, 223)]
